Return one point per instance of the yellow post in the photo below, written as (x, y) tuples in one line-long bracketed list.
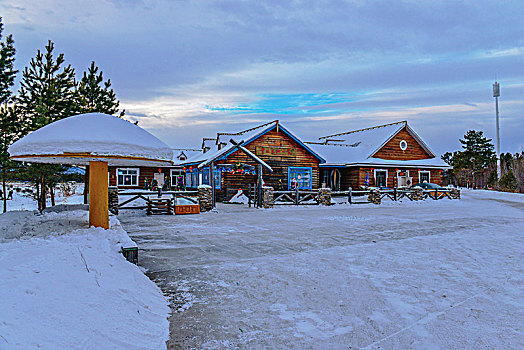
[(98, 200)]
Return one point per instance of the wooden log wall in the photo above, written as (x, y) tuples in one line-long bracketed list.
[(279, 178), (391, 150), (435, 176), (144, 172)]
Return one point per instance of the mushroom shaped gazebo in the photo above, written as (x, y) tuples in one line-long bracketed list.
[(97, 140)]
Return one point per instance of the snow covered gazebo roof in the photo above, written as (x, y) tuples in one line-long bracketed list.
[(92, 137)]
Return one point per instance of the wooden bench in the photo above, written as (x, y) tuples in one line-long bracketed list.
[(159, 206)]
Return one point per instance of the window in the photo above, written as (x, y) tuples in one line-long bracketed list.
[(334, 181), (177, 178), (325, 177), (423, 176), (218, 178), (127, 176), (192, 178), (302, 175), (381, 178)]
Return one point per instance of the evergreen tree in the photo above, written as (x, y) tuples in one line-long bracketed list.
[(95, 95), (47, 94), (477, 155), (8, 123), (508, 181)]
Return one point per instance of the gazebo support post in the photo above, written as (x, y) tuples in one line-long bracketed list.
[(98, 195)]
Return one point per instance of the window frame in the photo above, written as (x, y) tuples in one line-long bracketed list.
[(127, 169), (424, 171), (218, 178), (375, 176), (177, 172), (304, 169)]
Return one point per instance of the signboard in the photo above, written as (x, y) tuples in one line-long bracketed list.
[(159, 177), (275, 151)]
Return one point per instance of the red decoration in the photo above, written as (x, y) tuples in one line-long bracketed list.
[(184, 168)]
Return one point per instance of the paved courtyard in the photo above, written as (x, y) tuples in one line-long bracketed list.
[(446, 274)]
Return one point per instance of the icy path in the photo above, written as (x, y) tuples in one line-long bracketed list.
[(403, 275)]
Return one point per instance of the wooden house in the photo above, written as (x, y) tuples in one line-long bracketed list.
[(390, 155), (287, 155)]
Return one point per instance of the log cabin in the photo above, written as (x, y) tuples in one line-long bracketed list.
[(390, 155), (386, 156), (289, 158)]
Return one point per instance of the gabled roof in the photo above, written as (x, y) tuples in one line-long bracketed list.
[(362, 144), (247, 136)]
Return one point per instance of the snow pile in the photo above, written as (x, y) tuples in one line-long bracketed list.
[(93, 133), (239, 198), (65, 286)]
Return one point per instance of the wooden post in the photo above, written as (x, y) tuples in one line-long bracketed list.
[(259, 186), (212, 182), (296, 195), (436, 193), (98, 195), (395, 194), (349, 195)]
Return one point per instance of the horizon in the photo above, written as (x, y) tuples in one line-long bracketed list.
[(189, 70)]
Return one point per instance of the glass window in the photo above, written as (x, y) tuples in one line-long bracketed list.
[(188, 179), (218, 178), (381, 177), (177, 178), (127, 176), (423, 176), (194, 178), (300, 177)]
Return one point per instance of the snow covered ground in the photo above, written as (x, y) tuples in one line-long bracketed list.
[(66, 286), (22, 199), (412, 275)]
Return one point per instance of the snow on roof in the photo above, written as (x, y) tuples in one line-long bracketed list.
[(115, 140), (355, 146), (215, 152), (247, 136), (427, 163), (359, 146)]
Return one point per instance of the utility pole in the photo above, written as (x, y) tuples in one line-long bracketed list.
[(496, 94)]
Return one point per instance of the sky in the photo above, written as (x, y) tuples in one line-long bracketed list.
[(189, 69)]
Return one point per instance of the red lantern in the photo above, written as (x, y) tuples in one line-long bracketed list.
[(372, 169), (184, 168), (159, 170)]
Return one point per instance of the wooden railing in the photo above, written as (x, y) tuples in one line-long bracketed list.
[(147, 195), (296, 197), (396, 194)]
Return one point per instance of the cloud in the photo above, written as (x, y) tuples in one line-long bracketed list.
[(186, 69)]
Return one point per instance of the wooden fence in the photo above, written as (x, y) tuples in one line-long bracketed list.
[(396, 194), (191, 196), (296, 197)]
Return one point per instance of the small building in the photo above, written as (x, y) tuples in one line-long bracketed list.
[(273, 143), (390, 155)]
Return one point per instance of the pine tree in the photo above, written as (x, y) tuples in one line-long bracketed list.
[(508, 181), (8, 123), (47, 94), (95, 95), (477, 155)]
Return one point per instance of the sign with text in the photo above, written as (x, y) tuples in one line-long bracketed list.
[(275, 151)]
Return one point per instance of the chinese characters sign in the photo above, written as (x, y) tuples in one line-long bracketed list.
[(276, 151)]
